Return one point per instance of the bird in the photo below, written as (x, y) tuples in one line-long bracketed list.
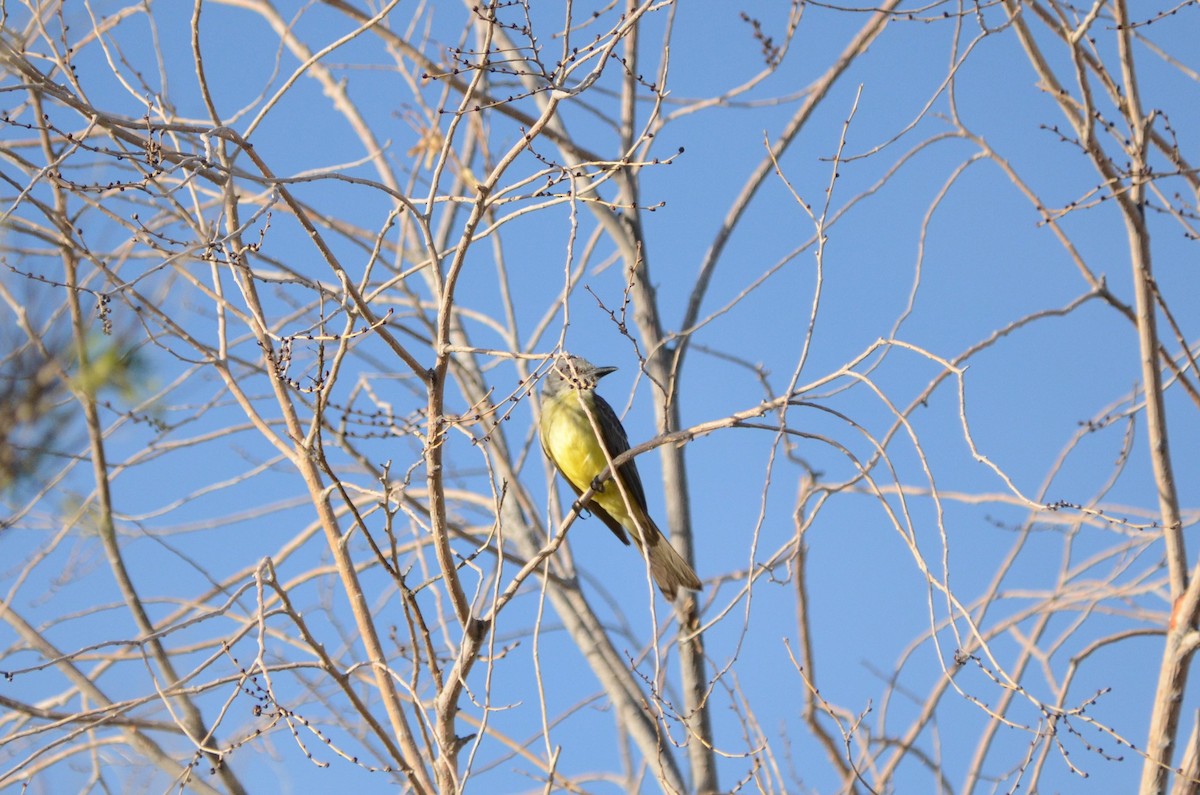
[(571, 414)]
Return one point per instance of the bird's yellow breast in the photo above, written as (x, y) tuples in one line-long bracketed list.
[(570, 441)]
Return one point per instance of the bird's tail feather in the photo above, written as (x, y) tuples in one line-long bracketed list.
[(668, 567)]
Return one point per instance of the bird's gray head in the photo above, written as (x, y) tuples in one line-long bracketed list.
[(572, 372)]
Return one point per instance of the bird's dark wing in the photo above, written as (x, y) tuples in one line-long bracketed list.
[(616, 442)]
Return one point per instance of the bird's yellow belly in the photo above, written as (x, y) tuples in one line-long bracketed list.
[(572, 444)]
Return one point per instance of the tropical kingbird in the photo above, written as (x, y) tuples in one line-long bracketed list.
[(572, 413)]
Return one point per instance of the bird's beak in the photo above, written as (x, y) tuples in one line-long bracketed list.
[(603, 371)]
